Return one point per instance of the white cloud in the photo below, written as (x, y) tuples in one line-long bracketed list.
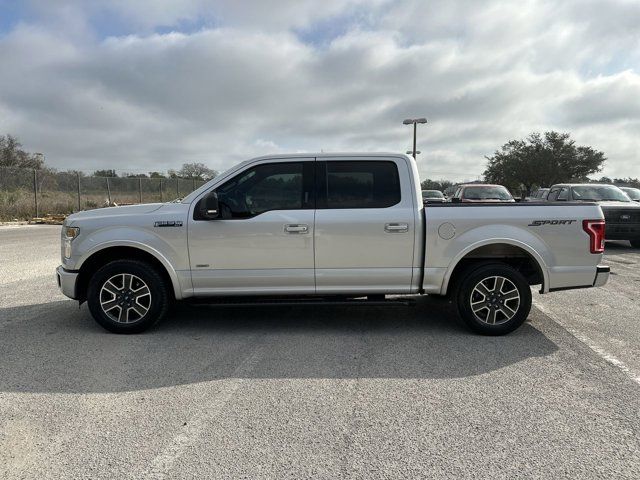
[(246, 84)]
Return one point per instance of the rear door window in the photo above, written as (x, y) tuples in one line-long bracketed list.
[(361, 184)]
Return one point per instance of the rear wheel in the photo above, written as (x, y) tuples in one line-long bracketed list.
[(127, 296), (494, 299)]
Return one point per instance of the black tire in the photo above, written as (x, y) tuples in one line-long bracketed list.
[(635, 243), (110, 278), (510, 312)]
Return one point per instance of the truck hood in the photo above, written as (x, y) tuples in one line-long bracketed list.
[(114, 212)]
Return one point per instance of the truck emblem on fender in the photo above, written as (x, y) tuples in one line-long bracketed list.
[(168, 223), (539, 223)]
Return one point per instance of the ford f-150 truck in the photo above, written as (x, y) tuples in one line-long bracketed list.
[(326, 228), (620, 212)]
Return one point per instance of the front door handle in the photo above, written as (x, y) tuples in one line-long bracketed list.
[(296, 228), (396, 227)]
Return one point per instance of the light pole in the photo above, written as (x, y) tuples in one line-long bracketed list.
[(415, 122)]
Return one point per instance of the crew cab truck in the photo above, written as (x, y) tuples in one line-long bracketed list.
[(326, 227), (620, 212)]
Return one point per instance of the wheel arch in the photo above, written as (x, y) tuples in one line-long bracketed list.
[(98, 257), (512, 252)]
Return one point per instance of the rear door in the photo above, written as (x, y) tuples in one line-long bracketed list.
[(364, 225)]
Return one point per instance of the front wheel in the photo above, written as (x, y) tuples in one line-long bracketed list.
[(494, 299), (635, 243), (127, 296)]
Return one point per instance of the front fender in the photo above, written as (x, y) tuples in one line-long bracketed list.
[(159, 248)]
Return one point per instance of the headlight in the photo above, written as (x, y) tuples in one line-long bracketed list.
[(71, 232)]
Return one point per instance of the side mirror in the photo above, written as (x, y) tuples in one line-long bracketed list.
[(208, 207), (456, 200)]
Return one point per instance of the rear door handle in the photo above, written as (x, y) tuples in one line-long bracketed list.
[(396, 227), (296, 228)]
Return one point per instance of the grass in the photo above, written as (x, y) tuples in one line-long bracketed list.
[(19, 204), (57, 192)]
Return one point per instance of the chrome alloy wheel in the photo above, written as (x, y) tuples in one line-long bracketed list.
[(125, 298), (495, 300)]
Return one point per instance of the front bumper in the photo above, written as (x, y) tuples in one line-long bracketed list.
[(67, 281), (602, 275)]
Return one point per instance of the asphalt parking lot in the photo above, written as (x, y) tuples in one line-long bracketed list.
[(307, 392)]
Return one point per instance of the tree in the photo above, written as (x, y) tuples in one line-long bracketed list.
[(198, 171), (627, 182), (542, 160), (12, 154), (157, 175), (604, 180), (441, 185), (105, 173)]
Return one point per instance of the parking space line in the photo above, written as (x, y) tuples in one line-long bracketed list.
[(196, 426), (601, 352)]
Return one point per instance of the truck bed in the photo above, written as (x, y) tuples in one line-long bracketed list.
[(552, 235)]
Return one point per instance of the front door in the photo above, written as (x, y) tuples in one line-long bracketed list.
[(262, 243), (365, 226)]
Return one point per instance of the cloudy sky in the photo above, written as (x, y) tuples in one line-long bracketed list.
[(141, 85)]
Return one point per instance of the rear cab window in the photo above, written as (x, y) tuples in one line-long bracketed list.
[(358, 184), (486, 192)]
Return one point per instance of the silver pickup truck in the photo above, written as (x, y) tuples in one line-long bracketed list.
[(326, 228)]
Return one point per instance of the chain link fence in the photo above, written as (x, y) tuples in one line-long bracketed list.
[(25, 193)]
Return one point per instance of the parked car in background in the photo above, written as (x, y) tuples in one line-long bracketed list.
[(632, 193), (539, 195), (622, 215), (433, 196), (477, 192)]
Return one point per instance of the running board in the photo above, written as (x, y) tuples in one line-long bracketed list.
[(288, 302)]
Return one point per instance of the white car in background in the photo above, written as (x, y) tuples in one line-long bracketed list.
[(433, 196), (632, 193)]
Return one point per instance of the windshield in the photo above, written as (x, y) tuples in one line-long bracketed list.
[(432, 194), (633, 193), (484, 192), (599, 193)]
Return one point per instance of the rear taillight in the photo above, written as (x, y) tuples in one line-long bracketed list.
[(595, 230)]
